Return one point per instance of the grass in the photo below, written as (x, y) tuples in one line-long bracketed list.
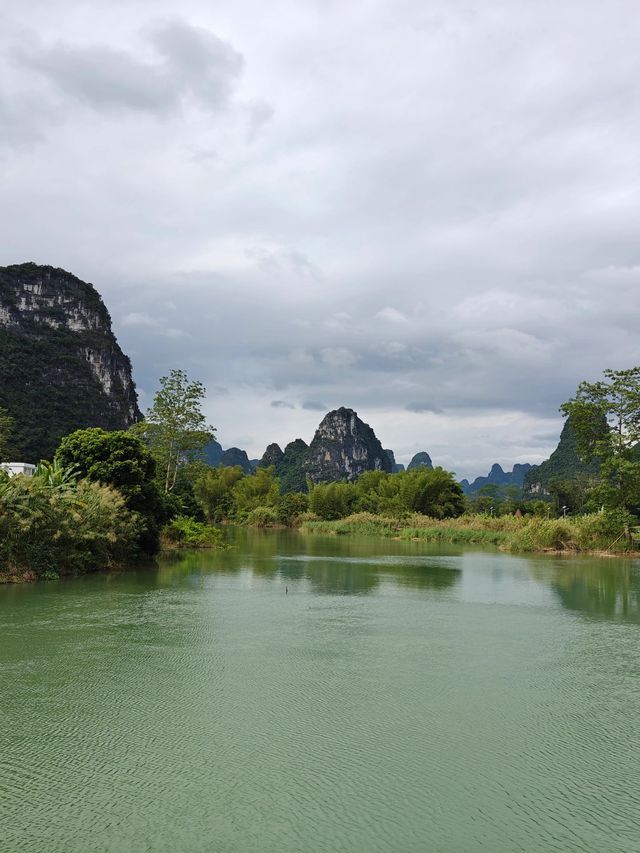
[(595, 532)]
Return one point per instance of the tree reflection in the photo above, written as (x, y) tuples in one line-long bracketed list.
[(607, 588), (330, 565)]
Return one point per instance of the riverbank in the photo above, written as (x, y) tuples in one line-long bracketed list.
[(595, 533)]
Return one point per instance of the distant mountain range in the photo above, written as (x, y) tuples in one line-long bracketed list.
[(497, 477)]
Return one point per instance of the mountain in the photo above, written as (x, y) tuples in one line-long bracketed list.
[(61, 367), (214, 455), (396, 467), (563, 464), (497, 477), (341, 449), (234, 456), (272, 456), (420, 460), (292, 468)]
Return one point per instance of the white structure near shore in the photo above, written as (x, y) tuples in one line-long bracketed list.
[(13, 468)]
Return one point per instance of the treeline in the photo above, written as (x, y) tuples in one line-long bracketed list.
[(109, 498), (227, 494)]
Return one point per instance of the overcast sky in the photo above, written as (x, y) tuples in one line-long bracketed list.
[(427, 211)]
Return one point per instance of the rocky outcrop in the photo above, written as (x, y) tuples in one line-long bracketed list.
[(343, 447), (61, 367), (420, 460), (396, 467), (272, 456)]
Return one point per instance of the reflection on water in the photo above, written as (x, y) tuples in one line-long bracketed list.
[(605, 587), (598, 587), (331, 565)]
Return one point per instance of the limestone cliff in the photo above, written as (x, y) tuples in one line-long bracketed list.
[(396, 467), (61, 367), (342, 448)]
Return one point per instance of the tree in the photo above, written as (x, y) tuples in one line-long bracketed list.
[(433, 492), (213, 490), (606, 420), (6, 426), (175, 428), (119, 459)]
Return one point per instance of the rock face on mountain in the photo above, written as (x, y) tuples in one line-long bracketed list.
[(396, 467), (420, 460), (497, 477), (563, 464), (61, 368), (272, 456), (212, 453), (343, 447)]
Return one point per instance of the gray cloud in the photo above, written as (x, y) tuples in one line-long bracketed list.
[(439, 205), (423, 407), (190, 62), (281, 404)]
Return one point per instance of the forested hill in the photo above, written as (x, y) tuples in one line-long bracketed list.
[(563, 464), (61, 367)]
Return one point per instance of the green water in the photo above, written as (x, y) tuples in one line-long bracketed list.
[(396, 698)]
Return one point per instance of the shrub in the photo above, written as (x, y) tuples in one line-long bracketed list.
[(263, 516), (188, 533)]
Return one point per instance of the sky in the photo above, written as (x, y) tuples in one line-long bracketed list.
[(426, 211)]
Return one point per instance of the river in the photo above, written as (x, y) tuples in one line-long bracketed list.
[(299, 693)]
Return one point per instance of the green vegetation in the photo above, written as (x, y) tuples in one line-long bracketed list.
[(594, 532), (55, 524), (614, 401), (175, 429), (119, 459), (185, 532), (6, 426)]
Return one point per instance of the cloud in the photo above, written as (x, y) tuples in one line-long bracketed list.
[(189, 63), (290, 206), (281, 404), (419, 408), (392, 315)]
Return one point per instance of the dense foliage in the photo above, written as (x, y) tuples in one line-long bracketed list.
[(54, 523), (6, 426), (229, 494), (121, 460), (615, 402)]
